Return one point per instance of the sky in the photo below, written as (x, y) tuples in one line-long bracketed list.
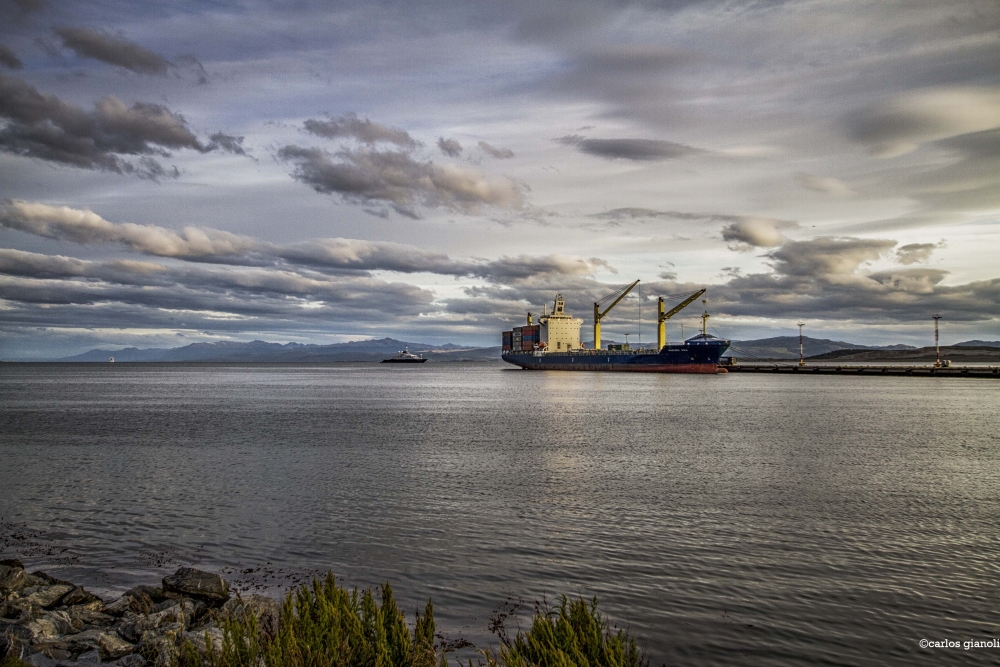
[(432, 170)]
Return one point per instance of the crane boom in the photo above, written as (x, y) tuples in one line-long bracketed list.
[(599, 315), (661, 332)]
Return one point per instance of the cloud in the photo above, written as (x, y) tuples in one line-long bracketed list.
[(396, 178), (450, 147), (86, 227), (899, 125), (827, 279), (639, 150), (827, 257), (101, 46), (748, 233), (639, 213), (201, 244), (228, 143), (43, 126), (365, 131), (825, 184), (8, 59), (915, 253), (498, 153)]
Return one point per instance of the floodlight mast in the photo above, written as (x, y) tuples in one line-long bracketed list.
[(937, 342), (802, 361)]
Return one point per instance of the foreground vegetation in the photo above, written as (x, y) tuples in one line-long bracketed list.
[(326, 625)]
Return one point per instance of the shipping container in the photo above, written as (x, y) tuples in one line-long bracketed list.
[(515, 339), (507, 340)]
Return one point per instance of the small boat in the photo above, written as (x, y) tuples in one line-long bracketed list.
[(404, 357)]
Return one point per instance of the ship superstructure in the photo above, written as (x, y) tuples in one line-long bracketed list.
[(554, 343)]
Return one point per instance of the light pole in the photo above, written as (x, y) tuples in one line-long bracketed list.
[(937, 344), (802, 361)]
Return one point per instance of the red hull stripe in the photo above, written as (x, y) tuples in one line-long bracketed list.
[(629, 368)]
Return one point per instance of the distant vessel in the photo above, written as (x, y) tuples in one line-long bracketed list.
[(404, 357), (554, 344), (111, 360)]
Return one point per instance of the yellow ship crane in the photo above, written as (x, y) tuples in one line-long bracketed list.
[(617, 295), (661, 331)]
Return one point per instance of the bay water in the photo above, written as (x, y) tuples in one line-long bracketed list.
[(736, 519)]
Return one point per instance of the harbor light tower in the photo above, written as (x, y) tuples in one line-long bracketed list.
[(802, 361), (937, 343)]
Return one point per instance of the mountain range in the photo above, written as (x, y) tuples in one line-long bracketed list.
[(779, 347)]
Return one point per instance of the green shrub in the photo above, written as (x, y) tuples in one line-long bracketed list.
[(11, 661), (325, 625), (573, 634)]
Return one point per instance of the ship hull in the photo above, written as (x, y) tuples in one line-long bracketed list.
[(688, 358)]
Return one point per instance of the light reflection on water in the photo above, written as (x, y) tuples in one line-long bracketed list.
[(741, 519)]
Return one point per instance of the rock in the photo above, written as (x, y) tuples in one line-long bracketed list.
[(49, 596), (133, 660), (197, 584), (266, 610), (162, 652), (88, 640), (154, 593), (15, 630), (39, 660), (20, 609), (202, 639), (12, 562), (12, 578), (89, 656), (123, 604), (79, 595), (12, 645), (84, 614), (49, 624), (112, 646)]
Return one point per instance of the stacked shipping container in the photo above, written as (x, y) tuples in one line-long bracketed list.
[(530, 337)]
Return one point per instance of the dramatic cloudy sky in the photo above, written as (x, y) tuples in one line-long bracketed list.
[(430, 170)]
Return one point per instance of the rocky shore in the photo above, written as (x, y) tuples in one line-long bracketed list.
[(47, 622)]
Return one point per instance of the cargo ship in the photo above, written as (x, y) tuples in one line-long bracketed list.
[(554, 343)]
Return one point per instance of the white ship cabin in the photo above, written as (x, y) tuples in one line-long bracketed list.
[(559, 330)]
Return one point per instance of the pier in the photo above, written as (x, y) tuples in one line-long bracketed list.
[(855, 369)]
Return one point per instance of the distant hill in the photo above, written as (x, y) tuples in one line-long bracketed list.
[(779, 347), (979, 343), (958, 354), (261, 351), (787, 347)]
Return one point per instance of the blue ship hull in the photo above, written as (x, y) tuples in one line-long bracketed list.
[(698, 355)]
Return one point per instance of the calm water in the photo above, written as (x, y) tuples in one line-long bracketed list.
[(737, 519)]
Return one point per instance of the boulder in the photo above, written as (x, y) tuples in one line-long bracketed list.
[(12, 562), (204, 638), (132, 660), (160, 651), (264, 609), (83, 615), (112, 646), (79, 595), (49, 625), (154, 593), (40, 660), (127, 603), (49, 596), (189, 582)]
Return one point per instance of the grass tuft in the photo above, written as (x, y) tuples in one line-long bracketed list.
[(574, 634), (327, 625)]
